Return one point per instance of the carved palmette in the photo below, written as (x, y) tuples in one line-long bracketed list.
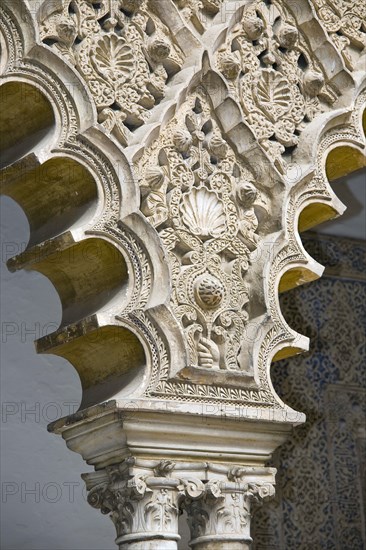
[(122, 50), (272, 73)]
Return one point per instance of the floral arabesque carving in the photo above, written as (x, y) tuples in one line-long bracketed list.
[(345, 21), (201, 200), (276, 79), (122, 50)]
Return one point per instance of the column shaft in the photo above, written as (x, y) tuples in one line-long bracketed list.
[(224, 545)]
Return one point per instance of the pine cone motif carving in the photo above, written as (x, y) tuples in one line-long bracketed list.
[(113, 58), (203, 213), (209, 292)]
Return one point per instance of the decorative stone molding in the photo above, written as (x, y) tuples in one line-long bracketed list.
[(166, 155)]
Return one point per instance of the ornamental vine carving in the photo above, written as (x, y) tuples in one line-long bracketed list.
[(273, 74), (203, 202), (345, 21), (122, 50)]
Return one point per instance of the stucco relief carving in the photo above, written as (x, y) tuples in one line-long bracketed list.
[(122, 50), (201, 198), (203, 195), (345, 22), (198, 139), (273, 74)]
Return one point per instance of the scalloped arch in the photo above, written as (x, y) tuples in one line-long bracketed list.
[(136, 289)]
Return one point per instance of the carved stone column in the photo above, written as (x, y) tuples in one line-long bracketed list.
[(220, 520), (144, 507), (145, 497)]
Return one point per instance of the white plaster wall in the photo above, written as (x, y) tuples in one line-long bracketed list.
[(43, 499)]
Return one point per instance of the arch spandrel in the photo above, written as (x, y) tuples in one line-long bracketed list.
[(212, 189), (202, 140)]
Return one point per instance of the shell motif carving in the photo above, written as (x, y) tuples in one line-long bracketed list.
[(125, 66), (203, 213), (113, 58), (189, 180), (273, 93)]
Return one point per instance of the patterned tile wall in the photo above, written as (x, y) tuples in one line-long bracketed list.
[(321, 486)]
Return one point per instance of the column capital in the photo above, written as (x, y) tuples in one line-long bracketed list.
[(222, 515), (145, 497)]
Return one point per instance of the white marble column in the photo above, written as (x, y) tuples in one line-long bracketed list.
[(144, 507), (145, 497), (220, 520)]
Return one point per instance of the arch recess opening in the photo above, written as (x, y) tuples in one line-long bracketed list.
[(54, 196), (87, 275), (26, 120), (109, 360)]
